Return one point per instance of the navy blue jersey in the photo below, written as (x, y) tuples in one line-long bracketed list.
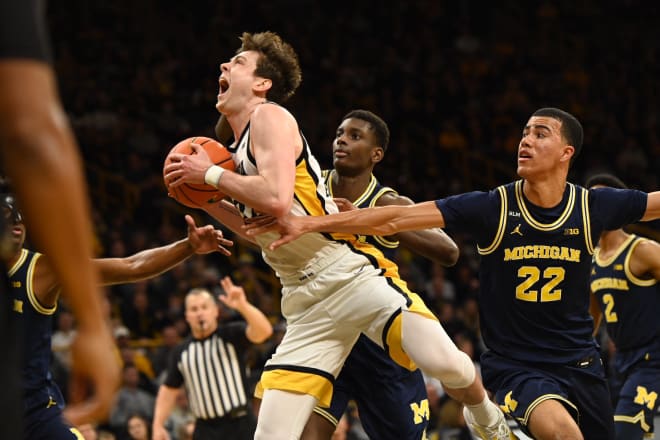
[(23, 33), (629, 304), (534, 275), (368, 199), (36, 321)]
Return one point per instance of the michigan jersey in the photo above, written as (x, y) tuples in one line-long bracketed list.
[(625, 299), (535, 265), (368, 199), (36, 321)]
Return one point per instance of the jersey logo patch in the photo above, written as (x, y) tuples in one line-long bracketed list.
[(572, 231), (618, 267), (516, 230), (643, 397), (18, 306)]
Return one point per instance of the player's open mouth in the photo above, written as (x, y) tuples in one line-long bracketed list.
[(224, 85)]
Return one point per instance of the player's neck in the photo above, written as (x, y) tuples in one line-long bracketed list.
[(544, 193), (610, 241), (350, 187)]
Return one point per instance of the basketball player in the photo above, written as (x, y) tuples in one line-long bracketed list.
[(334, 286), (392, 400), (40, 155), (624, 281), (34, 292), (536, 237)]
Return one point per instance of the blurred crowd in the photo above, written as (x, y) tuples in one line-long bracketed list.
[(456, 82)]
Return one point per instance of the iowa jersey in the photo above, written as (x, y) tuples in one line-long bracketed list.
[(36, 321), (368, 199), (310, 198), (629, 304)]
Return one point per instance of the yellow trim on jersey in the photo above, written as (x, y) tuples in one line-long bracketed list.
[(606, 262), (542, 399), (30, 290), (298, 382), (536, 224), (19, 262), (504, 209), (367, 192), (629, 274), (382, 240), (77, 433), (305, 191), (326, 415), (637, 418), (586, 220)]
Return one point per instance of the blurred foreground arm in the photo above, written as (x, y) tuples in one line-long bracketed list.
[(40, 156)]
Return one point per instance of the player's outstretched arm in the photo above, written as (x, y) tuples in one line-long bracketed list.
[(433, 244), (152, 262), (41, 158), (382, 220), (652, 207), (259, 327)]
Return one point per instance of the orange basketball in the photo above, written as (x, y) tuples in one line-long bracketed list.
[(200, 195)]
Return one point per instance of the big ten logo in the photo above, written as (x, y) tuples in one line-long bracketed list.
[(420, 411)]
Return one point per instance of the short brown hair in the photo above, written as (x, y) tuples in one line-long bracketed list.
[(278, 62)]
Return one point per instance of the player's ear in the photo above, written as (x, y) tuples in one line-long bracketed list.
[(263, 85), (567, 153), (377, 154)]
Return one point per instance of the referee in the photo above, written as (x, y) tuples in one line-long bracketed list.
[(211, 366)]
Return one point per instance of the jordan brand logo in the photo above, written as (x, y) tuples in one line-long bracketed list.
[(516, 230), (51, 402)]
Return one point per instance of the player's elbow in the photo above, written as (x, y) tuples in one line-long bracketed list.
[(451, 255), (280, 208), (261, 335)]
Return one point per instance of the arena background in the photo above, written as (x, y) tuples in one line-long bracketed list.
[(456, 81)]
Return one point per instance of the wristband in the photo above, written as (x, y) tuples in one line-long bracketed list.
[(213, 175)]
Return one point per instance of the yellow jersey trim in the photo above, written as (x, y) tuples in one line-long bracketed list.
[(637, 418), (504, 208), (542, 399), (326, 415), (629, 274), (542, 226), (29, 287), (601, 262), (19, 262), (586, 220)]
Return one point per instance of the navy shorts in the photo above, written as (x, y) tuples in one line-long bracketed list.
[(638, 398), (391, 400), (43, 416), (582, 388)]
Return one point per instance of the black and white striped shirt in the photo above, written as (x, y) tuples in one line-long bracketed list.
[(213, 371)]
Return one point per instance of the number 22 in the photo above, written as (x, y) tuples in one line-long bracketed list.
[(532, 275)]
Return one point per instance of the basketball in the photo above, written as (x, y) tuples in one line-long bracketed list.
[(199, 195)]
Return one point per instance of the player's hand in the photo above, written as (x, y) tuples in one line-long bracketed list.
[(234, 296), (159, 433), (95, 365), (187, 168), (206, 239), (344, 204), (289, 227)]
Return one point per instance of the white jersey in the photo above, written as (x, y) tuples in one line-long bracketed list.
[(310, 198)]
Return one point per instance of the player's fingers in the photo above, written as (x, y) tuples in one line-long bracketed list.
[(191, 221), (279, 242)]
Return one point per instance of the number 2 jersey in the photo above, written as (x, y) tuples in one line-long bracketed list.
[(629, 304), (535, 265)]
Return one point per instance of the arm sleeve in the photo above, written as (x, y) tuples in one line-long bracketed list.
[(23, 30), (612, 208), (476, 213)]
